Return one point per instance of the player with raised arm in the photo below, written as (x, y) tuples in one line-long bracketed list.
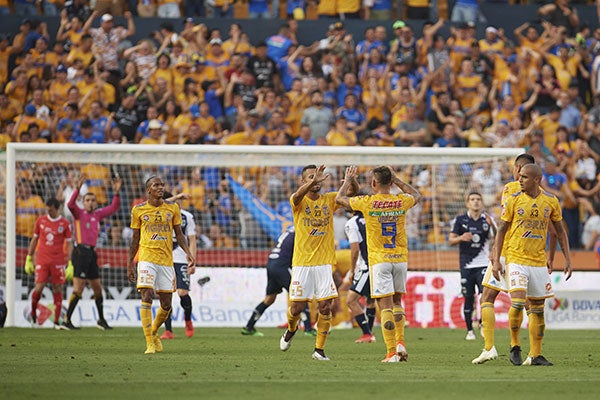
[(472, 233), (526, 216), (182, 272), (84, 257), (355, 229), (314, 256), (279, 276), (49, 236), (153, 223), (385, 215)]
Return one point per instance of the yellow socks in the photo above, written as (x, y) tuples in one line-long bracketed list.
[(488, 319), (399, 322), (161, 316), (323, 326), (292, 320), (515, 319), (537, 327), (146, 317), (388, 328)]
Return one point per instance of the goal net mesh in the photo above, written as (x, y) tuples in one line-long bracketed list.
[(239, 196)]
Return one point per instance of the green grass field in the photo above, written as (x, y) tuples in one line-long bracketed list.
[(223, 364)]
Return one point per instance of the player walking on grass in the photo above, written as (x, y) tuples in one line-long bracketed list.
[(153, 223), (182, 272), (314, 256), (279, 276), (84, 257), (472, 232), (356, 233), (526, 217), (49, 236), (492, 286), (385, 215)]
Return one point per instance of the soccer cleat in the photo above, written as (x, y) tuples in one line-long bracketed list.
[(391, 358), (311, 332), (251, 332), (470, 336), (539, 360), (401, 351), (150, 348), (515, 355), (103, 325), (167, 335), (67, 326), (366, 338), (319, 357), (486, 355), (189, 328), (284, 344), (158, 347)]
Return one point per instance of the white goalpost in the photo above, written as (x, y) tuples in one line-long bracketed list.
[(238, 194)]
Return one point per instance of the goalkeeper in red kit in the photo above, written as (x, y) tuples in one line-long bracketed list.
[(47, 245)]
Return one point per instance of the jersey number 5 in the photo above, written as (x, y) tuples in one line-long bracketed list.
[(389, 229)]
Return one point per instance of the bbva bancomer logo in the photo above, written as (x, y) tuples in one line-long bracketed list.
[(562, 304)]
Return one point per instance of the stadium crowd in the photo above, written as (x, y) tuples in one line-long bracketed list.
[(537, 87)]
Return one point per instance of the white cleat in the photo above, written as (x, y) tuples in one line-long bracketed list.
[(486, 355), (284, 345), (391, 359), (470, 336), (317, 356), (401, 352)]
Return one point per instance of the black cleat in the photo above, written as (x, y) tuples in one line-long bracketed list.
[(67, 326), (541, 360), (515, 355), (102, 325)]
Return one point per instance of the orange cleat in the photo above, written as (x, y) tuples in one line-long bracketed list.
[(167, 335), (189, 328), (366, 338)]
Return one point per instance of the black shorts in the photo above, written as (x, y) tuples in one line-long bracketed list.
[(470, 279), (85, 262), (279, 276), (361, 283), (183, 279)]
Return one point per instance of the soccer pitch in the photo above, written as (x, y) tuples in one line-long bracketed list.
[(223, 364)]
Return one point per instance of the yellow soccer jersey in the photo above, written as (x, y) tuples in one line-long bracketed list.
[(313, 221), (156, 231), (385, 215), (529, 218)]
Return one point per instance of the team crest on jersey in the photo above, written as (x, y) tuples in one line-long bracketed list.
[(325, 211), (146, 218), (546, 212), (520, 211), (307, 210), (485, 226), (61, 229), (169, 215)]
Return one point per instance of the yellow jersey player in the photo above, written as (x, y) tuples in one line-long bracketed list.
[(493, 286), (385, 215), (153, 223), (526, 216), (314, 256)]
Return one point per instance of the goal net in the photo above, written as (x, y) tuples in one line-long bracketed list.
[(239, 197)]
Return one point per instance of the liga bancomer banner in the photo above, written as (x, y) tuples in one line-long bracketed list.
[(225, 297)]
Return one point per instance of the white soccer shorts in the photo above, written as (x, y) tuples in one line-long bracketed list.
[(534, 280), (493, 283), (388, 279), (161, 278), (312, 282)]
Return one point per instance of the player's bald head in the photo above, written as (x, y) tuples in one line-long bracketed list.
[(532, 170)]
